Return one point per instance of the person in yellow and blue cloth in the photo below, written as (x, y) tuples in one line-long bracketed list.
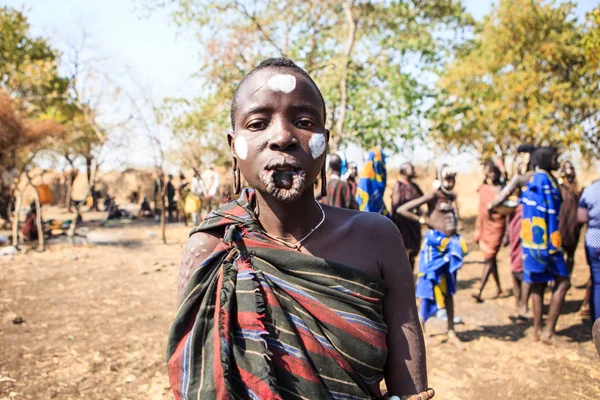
[(371, 184), (442, 252), (541, 242)]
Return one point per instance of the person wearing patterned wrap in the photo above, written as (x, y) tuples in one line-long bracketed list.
[(442, 252), (282, 297), (543, 258), (339, 194), (589, 213), (371, 184), (404, 191)]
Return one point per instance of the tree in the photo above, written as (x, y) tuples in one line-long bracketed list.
[(522, 79), (21, 140), (29, 85), (28, 65), (591, 46), (363, 55)]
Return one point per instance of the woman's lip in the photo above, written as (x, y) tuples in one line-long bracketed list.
[(284, 169)]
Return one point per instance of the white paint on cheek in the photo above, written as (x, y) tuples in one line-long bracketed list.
[(317, 144), (282, 83), (241, 147)]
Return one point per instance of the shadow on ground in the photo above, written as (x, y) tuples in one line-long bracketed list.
[(577, 333), (510, 332), (466, 283)]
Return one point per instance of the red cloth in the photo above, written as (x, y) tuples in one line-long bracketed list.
[(339, 194), (490, 227), (29, 228), (514, 238)]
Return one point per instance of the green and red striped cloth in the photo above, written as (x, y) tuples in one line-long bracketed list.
[(260, 320)]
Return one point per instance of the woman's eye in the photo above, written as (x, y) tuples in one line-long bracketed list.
[(305, 123), (257, 125)]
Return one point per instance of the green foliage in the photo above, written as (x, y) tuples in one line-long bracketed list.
[(373, 60), (28, 65), (525, 78)]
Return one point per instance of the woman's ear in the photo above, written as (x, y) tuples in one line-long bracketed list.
[(230, 142)]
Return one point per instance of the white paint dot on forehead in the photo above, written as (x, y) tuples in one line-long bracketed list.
[(317, 144), (282, 83), (241, 147)]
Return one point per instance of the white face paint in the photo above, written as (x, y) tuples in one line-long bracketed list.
[(282, 83), (317, 144), (241, 147)]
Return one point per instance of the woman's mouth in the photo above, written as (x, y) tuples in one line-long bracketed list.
[(284, 180)]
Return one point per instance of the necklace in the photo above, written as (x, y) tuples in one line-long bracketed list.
[(298, 242)]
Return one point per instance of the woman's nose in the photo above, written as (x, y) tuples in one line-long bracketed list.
[(283, 138)]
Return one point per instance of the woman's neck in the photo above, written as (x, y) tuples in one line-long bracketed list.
[(288, 220)]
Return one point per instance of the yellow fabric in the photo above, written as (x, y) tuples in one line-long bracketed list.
[(192, 204), (440, 291)]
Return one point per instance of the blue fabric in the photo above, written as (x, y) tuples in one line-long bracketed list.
[(371, 184), (541, 242), (440, 257), (590, 200), (593, 259)]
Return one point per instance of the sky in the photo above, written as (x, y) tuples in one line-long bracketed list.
[(157, 52)]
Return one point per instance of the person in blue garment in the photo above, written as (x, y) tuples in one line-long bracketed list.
[(442, 252), (543, 256), (371, 184)]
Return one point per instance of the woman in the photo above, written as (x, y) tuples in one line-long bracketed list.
[(570, 228), (589, 212), (543, 258), (489, 228), (371, 184), (513, 189)]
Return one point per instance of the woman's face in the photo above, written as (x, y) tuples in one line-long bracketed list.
[(280, 139)]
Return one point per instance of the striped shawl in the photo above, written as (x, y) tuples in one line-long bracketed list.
[(262, 321)]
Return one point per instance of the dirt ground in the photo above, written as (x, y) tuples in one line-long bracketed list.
[(92, 321)]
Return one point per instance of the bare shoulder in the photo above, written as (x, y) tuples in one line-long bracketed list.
[(375, 233), (360, 221), (197, 249)]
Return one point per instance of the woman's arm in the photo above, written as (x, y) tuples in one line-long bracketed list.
[(515, 183), (406, 367), (582, 215), (397, 198), (405, 209), (197, 249), (459, 224)]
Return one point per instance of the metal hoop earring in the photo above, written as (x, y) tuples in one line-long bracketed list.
[(323, 180), (236, 177)]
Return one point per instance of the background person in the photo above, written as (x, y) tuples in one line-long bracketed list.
[(543, 258), (570, 228), (406, 190), (339, 193), (589, 213), (490, 228)]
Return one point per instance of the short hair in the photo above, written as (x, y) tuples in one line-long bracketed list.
[(526, 148), (404, 168), (273, 63), (542, 157), (335, 163)]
